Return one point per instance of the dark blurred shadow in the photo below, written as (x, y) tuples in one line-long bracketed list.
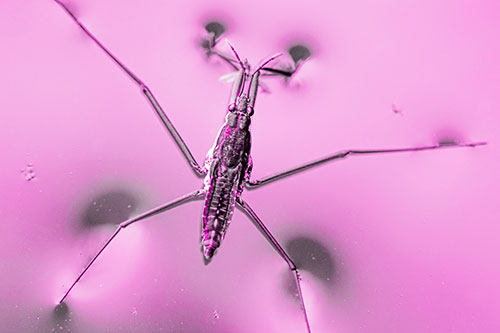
[(215, 27), (309, 255), (447, 142), (112, 207), (299, 53), (61, 318)]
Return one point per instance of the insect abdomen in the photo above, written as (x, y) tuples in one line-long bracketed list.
[(219, 207)]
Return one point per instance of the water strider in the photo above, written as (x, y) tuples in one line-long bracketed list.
[(228, 165)]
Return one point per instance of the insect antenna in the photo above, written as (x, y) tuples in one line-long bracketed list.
[(254, 80), (266, 62), (237, 56)]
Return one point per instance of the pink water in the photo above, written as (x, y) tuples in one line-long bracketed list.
[(401, 243)]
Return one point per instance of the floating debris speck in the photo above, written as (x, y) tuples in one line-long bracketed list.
[(29, 172)]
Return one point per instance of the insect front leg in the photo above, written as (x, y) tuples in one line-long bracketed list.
[(345, 153), (199, 171), (196, 195), (274, 243)]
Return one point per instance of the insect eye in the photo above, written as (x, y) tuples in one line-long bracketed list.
[(250, 110), (231, 107)]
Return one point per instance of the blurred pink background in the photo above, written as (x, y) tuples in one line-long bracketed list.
[(399, 243)]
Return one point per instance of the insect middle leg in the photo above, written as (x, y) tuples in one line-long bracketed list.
[(252, 184), (160, 209), (199, 171), (270, 238)]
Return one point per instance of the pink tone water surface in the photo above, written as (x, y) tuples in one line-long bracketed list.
[(400, 243)]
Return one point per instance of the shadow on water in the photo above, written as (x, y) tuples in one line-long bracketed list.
[(61, 318), (111, 207), (216, 28), (311, 256), (299, 53)]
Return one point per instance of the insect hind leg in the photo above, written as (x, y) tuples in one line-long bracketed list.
[(160, 209), (275, 244)]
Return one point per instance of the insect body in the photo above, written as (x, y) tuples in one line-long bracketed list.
[(228, 165)]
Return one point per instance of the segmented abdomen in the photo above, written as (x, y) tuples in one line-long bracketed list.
[(219, 208)]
